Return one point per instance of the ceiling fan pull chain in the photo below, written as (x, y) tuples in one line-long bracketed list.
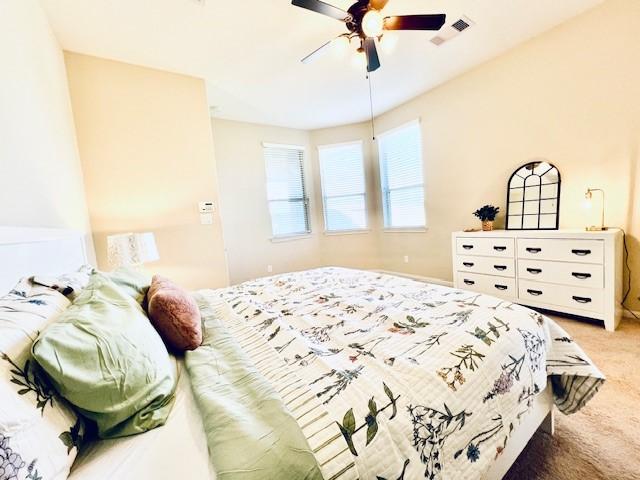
[(373, 125)]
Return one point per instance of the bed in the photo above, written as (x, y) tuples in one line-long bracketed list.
[(160, 453), (386, 377)]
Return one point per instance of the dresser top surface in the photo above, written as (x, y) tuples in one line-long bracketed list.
[(563, 233)]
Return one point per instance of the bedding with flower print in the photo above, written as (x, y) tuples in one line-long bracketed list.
[(391, 378), (39, 433)]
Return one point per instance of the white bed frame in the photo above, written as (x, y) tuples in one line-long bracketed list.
[(31, 251), (38, 251), (540, 417)]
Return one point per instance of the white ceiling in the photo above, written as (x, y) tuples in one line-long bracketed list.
[(249, 51)]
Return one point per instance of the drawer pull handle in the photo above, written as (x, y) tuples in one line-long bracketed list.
[(581, 276), (534, 250), (581, 253), (582, 299), (500, 268), (468, 264), (535, 293), (469, 282), (499, 248), (534, 271), (501, 287), (467, 247)]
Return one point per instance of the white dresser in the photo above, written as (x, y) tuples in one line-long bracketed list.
[(567, 271)]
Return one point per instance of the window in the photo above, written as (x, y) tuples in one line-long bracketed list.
[(288, 201), (343, 187), (401, 177)]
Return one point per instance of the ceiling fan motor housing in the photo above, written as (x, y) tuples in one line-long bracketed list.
[(357, 11)]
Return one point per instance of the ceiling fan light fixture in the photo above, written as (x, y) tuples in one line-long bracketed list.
[(389, 42), (340, 45), (373, 24), (359, 60)]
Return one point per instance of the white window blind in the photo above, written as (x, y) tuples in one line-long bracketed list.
[(343, 187), (401, 175), (288, 201)]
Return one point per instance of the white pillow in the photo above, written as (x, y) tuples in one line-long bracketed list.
[(69, 284), (39, 432)]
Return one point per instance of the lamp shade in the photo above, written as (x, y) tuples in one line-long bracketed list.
[(131, 249)]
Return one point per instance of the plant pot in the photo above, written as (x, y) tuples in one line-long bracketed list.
[(487, 225)]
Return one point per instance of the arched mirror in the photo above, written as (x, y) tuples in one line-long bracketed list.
[(533, 197)]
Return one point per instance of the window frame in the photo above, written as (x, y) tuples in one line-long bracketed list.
[(350, 231), (304, 199), (385, 192)]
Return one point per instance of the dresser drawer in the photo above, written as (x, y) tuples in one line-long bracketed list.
[(575, 274), (504, 267), (563, 250), (577, 298), (490, 247), (498, 286)]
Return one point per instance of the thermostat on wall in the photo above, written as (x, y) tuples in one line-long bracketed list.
[(206, 210), (206, 207)]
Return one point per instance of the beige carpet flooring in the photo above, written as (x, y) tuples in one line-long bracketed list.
[(602, 441)]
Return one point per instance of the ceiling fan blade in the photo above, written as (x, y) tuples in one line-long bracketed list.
[(373, 62), (323, 8), (317, 53), (378, 4), (415, 22)]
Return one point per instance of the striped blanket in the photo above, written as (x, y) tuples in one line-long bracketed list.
[(388, 378)]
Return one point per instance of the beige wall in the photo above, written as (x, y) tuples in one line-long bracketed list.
[(243, 201), (358, 250), (148, 158), (39, 165), (245, 213), (572, 96)]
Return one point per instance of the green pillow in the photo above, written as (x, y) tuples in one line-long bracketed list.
[(133, 282), (104, 356)]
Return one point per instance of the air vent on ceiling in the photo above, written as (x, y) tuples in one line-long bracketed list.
[(453, 30), (461, 25)]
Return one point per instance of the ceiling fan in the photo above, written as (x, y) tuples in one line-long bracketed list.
[(365, 21)]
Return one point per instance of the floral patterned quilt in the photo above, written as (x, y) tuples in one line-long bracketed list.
[(391, 378)]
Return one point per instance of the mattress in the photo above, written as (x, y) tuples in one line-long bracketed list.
[(393, 378), (177, 450), (386, 378)]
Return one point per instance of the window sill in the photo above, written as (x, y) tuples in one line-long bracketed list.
[(290, 238), (346, 232), (406, 230)]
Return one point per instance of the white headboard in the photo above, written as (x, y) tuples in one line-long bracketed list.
[(38, 251)]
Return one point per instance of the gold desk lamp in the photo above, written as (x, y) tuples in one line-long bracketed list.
[(589, 195)]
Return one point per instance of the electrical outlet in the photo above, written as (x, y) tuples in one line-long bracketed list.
[(269, 268), (406, 259)]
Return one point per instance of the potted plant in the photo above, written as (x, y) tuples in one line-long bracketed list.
[(487, 215)]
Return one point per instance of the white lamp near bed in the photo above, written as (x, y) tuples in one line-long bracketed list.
[(131, 249)]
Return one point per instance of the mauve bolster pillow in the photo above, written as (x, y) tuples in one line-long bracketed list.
[(174, 314)]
